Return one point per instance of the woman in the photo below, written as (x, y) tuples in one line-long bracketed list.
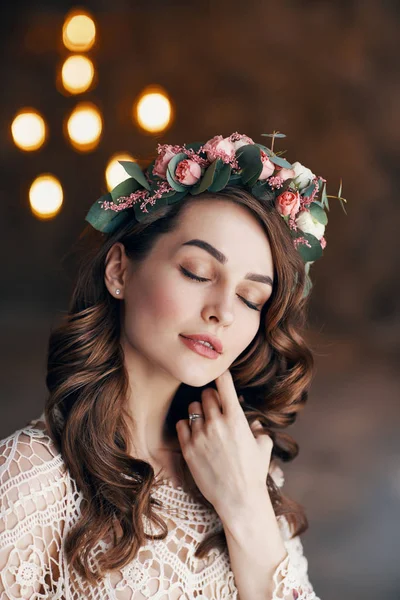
[(152, 471)]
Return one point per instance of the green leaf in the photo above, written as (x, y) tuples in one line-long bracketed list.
[(105, 220), (277, 135), (262, 191), (174, 184), (194, 146), (324, 197), (249, 159), (125, 188), (140, 215), (307, 286), (150, 173), (340, 190), (177, 196), (308, 191), (281, 162), (308, 254), (318, 213), (133, 169), (234, 178), (206, 180), (221, 178), (267, 151)]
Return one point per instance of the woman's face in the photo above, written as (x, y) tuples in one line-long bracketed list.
[(162, 303)]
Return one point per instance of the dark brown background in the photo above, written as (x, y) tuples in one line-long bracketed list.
[(327, 75)]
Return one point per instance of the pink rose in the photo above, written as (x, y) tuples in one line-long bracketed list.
[(322, 241), (268, 166), (161, 164), (288, 203), (219, 147), (284, 173), (187, 172)]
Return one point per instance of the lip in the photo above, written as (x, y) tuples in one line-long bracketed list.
[(206, 337), (199, 348)]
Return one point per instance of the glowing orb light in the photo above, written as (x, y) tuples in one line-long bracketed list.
[(45, 196), (28, 130), (77, 74), (115, 173), (79, 31), (84, 127), (153, 111)]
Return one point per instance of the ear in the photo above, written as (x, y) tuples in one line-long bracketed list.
[(115, 274)]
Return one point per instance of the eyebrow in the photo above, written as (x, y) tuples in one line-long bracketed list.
[(223, 259)]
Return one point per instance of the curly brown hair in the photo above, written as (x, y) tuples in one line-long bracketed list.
[(86, 413)]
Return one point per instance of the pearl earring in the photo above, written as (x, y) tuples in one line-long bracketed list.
[(117, 291)]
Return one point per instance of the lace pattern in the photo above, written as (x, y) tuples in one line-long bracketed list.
[(39, 503)]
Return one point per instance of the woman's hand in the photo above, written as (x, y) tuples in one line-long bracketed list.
[(228, 460)]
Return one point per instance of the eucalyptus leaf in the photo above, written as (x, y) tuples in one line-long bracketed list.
[(133, 169), (324, 197), (249, 159), (194, 146), (272, 135), (308, 191), (206, 180), (262, 191), (141, 215), (318, 213), (171, 199), (267, 151), (340, 189), (221, 178), (174, 184), (125, 188), (307, 286), (105, 220), (150, 173), (281, 162), (308, 254)]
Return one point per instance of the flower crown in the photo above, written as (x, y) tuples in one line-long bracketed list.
[(299, 196)]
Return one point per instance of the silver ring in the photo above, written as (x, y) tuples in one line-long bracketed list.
[(193, 416)]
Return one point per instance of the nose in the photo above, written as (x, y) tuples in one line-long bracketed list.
[(220, 309)]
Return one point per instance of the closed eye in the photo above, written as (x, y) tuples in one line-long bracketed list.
[(196, 278)]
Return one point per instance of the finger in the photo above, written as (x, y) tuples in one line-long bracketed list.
[(210, 404), (196, 408), (227, 393), (183, 432), (256, 427)]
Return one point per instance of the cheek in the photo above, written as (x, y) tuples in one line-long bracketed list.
[(160, 303)]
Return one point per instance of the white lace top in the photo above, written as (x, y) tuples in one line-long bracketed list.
[(39, 503)]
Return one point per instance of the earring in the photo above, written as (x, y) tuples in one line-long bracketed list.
[(117, 291)]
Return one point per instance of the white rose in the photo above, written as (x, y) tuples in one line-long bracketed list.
[(306, 222), (302, 175), (244, 141)]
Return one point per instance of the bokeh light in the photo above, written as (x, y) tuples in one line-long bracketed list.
[(153, 111), (79, 31), (115, 173), (77, 74), (46, 196), (28, 130), (84, 126)]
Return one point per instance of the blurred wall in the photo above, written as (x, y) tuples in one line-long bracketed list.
[(327, 75)]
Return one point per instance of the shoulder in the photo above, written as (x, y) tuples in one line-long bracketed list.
[(34, 492), (30, 465)]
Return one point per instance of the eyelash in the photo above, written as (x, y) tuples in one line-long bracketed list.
[(192, 276)]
